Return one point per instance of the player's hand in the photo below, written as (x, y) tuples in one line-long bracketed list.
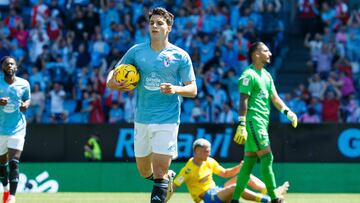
[(115, 85), (293, 118), (23, 107), (241, 133), (4, 101), (167, 88)]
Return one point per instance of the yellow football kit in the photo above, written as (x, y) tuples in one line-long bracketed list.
[(198, 179)]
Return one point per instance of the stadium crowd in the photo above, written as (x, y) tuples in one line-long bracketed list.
[(65, 49), (331, 32)]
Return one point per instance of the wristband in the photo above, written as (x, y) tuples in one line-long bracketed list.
[(242, 120), (285, 110)]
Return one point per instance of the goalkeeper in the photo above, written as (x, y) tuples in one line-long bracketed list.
[(257, 89)]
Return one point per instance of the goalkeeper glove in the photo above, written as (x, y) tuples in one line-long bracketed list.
[(241, 133), (291, 116)]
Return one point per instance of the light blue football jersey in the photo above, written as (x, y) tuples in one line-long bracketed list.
[(12, 120), (170, 65)]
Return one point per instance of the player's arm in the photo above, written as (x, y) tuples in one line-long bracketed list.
[(281, 106), (26, 98), (188, 90), (230, 172), (24, 105), (241, 134)]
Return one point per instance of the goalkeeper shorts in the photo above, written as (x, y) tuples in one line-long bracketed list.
[(258, 137)]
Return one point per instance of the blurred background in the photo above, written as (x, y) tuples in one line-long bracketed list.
[(65, 48)]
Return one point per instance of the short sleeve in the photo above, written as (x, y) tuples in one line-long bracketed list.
[(181, 177), (217, 168), (246, 84), (27, 92), (186, 69)]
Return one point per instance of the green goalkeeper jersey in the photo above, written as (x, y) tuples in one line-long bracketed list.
[(259, 85)]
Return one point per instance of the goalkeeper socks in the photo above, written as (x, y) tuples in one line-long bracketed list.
[(268, 174), (4, 176), (159, 191), (244, 176)]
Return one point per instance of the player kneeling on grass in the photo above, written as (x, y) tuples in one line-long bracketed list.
[(14, 100), (198, 177)]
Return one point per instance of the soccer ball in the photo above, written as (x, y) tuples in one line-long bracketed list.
[(128, 73)]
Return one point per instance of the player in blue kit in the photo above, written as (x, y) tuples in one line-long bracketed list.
[(14, 100), (166, 75)]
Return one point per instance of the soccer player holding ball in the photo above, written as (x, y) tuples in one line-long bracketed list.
[(166, 75), (14, 100), (257, 89)]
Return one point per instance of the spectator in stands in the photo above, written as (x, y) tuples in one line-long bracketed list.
[(316, 105), (209, 109), (197, 114), (39, 39), (39, 15), (227, 114), (347, 85), (96, 109), (116, 114), (22, 36), (5, 47), (4, 30), (206, 48), (325, 58), (330, 98), (37, 105), (12, 21), (316, 85), (353, 110), (315, 47), (269, 27), (310, 116), (243, 45), (308, 12), (57, 97)]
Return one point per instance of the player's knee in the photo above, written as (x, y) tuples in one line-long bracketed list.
[(3, 169), (267, 158), (232, 187), (145, 173)]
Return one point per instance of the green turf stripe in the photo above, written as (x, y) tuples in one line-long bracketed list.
[(123, 177)]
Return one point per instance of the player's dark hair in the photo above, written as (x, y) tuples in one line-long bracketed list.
[(6, 57), (169, 17), (253, 47)]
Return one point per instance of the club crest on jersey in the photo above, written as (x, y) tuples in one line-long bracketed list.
[(246, 81), (167, 61)]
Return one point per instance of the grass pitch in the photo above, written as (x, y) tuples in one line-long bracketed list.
[(177, 198)]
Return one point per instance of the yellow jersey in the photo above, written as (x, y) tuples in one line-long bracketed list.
[(198, 179)]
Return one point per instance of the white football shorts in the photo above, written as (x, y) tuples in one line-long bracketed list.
[(156, 138), (14, 142)]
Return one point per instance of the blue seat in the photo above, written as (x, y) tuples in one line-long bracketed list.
[(70, 106)]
